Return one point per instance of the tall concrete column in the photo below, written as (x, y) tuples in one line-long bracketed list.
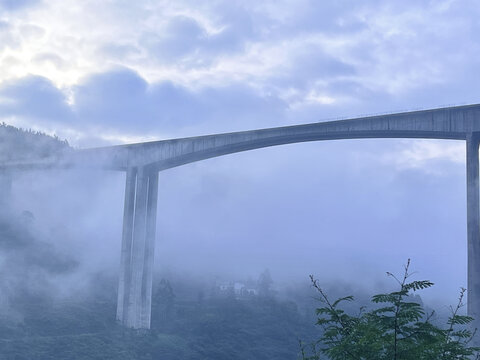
[(126, 253), (473, 227), (151, 227), (138, 246)]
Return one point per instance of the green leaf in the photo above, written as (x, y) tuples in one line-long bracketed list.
[(338, 301), (459, 319), (418, 285)]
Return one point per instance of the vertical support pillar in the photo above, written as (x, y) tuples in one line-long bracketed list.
[(149, 248), (138, 246), (473, 227), (126, 254), (138, 251)]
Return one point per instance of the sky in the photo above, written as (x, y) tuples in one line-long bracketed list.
[(115, 71)]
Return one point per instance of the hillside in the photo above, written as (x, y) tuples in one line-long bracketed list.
[(20, 144), (210, 328)]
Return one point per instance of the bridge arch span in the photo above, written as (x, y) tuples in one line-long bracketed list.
[(217, 151)]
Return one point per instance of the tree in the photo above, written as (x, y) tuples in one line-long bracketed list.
[(396, 329), (165, 299), (264, 284)]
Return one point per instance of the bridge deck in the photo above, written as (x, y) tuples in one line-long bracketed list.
[(444, 123)]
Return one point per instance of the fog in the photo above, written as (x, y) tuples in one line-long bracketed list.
[(344, 211)]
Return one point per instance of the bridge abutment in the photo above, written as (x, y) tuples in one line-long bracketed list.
[(138, 243), (473, 227)]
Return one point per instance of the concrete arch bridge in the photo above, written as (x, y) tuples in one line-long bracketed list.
[(143, 161)]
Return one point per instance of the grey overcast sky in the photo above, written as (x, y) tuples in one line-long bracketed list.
[(111, 72)]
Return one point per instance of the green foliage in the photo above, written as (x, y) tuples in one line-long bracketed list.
[(165, 298), (396, 329), (20, 144), (221, 328), (264, 284)]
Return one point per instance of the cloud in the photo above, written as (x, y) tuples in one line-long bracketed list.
[(13, 5), (309, 67), (123, 100), (8, 39), (116, 98), (422, 154), (118, 51), (278, 47), (34, 98), (309, 16), (181, 36), (184, 39), (4, 25), (50, 58)]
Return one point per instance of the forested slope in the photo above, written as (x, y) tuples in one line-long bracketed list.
[(221, 328), (19, 144)]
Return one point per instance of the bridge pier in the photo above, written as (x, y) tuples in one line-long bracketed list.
[(473, 227), (138, 244)]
